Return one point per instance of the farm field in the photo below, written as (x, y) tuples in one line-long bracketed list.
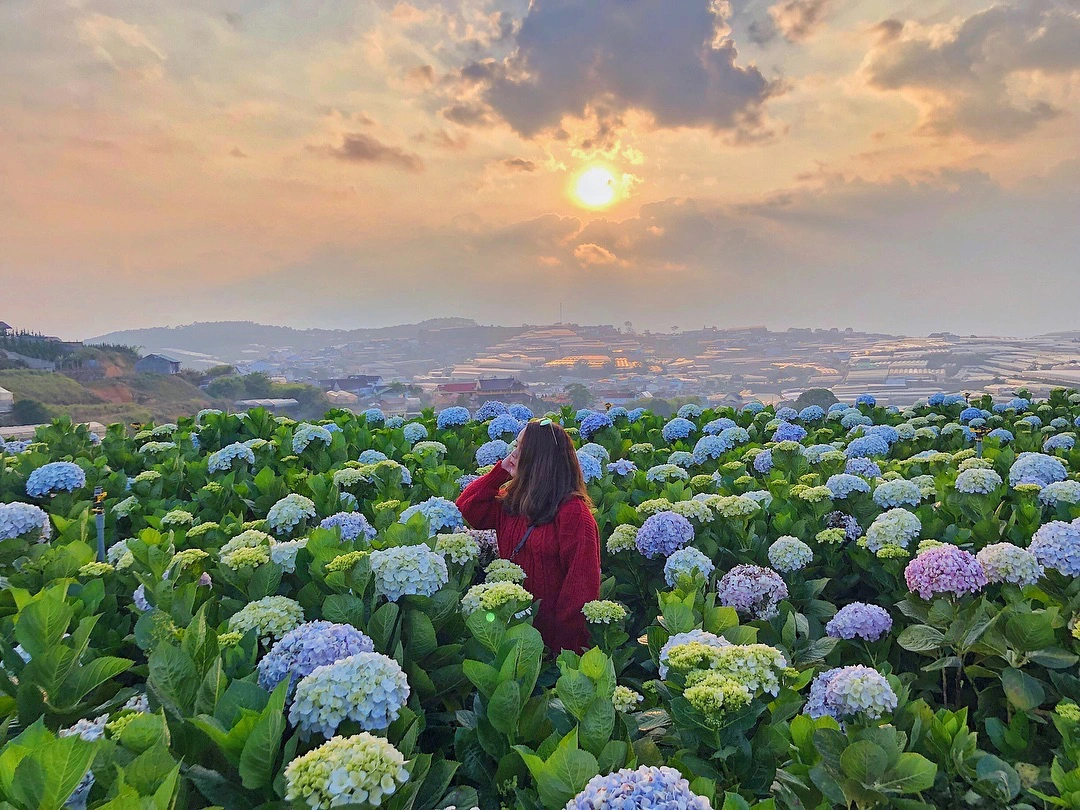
[(860, 607)]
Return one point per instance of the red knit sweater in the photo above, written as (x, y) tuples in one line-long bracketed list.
[(561, 559)]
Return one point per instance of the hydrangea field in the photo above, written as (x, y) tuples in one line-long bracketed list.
[(860, 607)]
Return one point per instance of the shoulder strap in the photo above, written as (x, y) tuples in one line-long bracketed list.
[(521, 542)]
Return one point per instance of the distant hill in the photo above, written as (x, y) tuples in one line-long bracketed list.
[(232, 341)]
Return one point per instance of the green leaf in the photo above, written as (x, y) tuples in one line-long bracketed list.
[(505, 707), (912, 773), (344, 608), (50, 773), (144, 731), (173, 678), (85, 679), (597, 725), (41, 624), (420, 633), (488, 629), (920, 638), (566, 772), (1028, 632), (1023, 691), (483, 676), (576, 692), (613, 756), (864, 762), (263, 745)]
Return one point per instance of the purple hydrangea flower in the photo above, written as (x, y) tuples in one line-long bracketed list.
[(848, 691), (647, 788), (787, 432), (353, 526), (1057, 545), (763, 462), (489, 410), (593, 424), (753, 590), (860, 620), (663, 533), (308, 646), (944, 570), (623, 466), (863, 467)]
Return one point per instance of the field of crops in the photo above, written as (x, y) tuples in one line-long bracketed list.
[(864, 607)]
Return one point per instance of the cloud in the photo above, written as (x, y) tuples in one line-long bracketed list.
[(358, 147), (590, 255), (607, 57), (520, 165), (968, 78), (123, 46), (798, 20)]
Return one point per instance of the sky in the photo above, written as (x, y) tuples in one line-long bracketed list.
[(896, 165)]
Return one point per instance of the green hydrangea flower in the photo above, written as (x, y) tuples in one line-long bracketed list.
[(603, 611)]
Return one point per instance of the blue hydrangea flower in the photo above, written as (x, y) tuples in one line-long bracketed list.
[(223, 459), (662, 473), (593, 424), (664, 533), (521, 412), (287, 513), (867, 447), (787, 432), (968, 414), (618, 412), (789, 554), (414, 432), (677, 428), (623, 466), (710, 447), (935, 400), (811, 413), (1057, 492), (353, 526), (311, 645), (837, 407), (681, 458), (590, 466), (1031, 420), (371, 457), (890, 434), (1057, 545), (1059, 423), (897, 527), (839, 520), (752, 590), (863, 467), (491, 452), (734, 436), (452, 417), (305, 434), (898, 492), (635, 414), (57, 476), (502, 425), (412, 570), (1001, 434), (853, 418), (647, 788), (597, 451), (718, 425), (865, 399), (394, 422), (754, 407), (374, 416), (763, 462), (491, 409), (786, 414), (976, 481), (1004, 562), (18, 519), (860, 620), (1036, 468), (843, 485), (368, 688), (952, 399), (1018, 404), (845, 692), (465, 480), (686, 561), (1062, 441), (689, 411), (440, 513)]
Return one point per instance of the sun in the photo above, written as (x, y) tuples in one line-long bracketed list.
[(595, 187)]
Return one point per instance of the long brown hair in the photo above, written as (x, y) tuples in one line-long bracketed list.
[(548, 474)]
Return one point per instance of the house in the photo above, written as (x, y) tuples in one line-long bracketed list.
[(359, 384), (5, 329), (157, 364), (273, 405), (7, 401), (342, 399), (477, 392)]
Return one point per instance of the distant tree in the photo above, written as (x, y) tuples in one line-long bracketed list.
[(190, 375), (30, 412), (822, 397), (258, 385), (580, 396), (231, 388), (214, 372)]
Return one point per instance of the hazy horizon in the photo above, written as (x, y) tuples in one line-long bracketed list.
[(888, 165)]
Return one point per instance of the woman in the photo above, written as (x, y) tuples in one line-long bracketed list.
[(543, 523)]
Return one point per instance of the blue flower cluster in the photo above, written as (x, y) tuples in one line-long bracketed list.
[(787, 432), (1037, 468), (368, 688), (597, 451), (440, 513), (811, 413), (664, 533), (371, 457), (353, 526), (1062, 441), (305, 434), (452, 417), (887, 432), (287, 513), (689, 411), (865, 399), (752, 590), (523, 413), (635, 414), (304, 648), (618, 412), (863, 467), (763, 462), (647, 788), (688, 561), (623, 466), (1057, 545), (593, 424), (57, 476), (843, 485), (681, 458), (491, 409), (753, 407), (1001, 434), (710, 447), (786, 414), (504, 425), (412, 570), (860, 620), (898, 492), (867, 447), (18, 519), (374, 416), (223, 459), (491, 452), (853, 418), (394, 422), (719, 425), (414, 432), (845, 692), (590, 466), (677, 428)]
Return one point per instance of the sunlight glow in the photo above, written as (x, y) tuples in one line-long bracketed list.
[(595, 187)]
